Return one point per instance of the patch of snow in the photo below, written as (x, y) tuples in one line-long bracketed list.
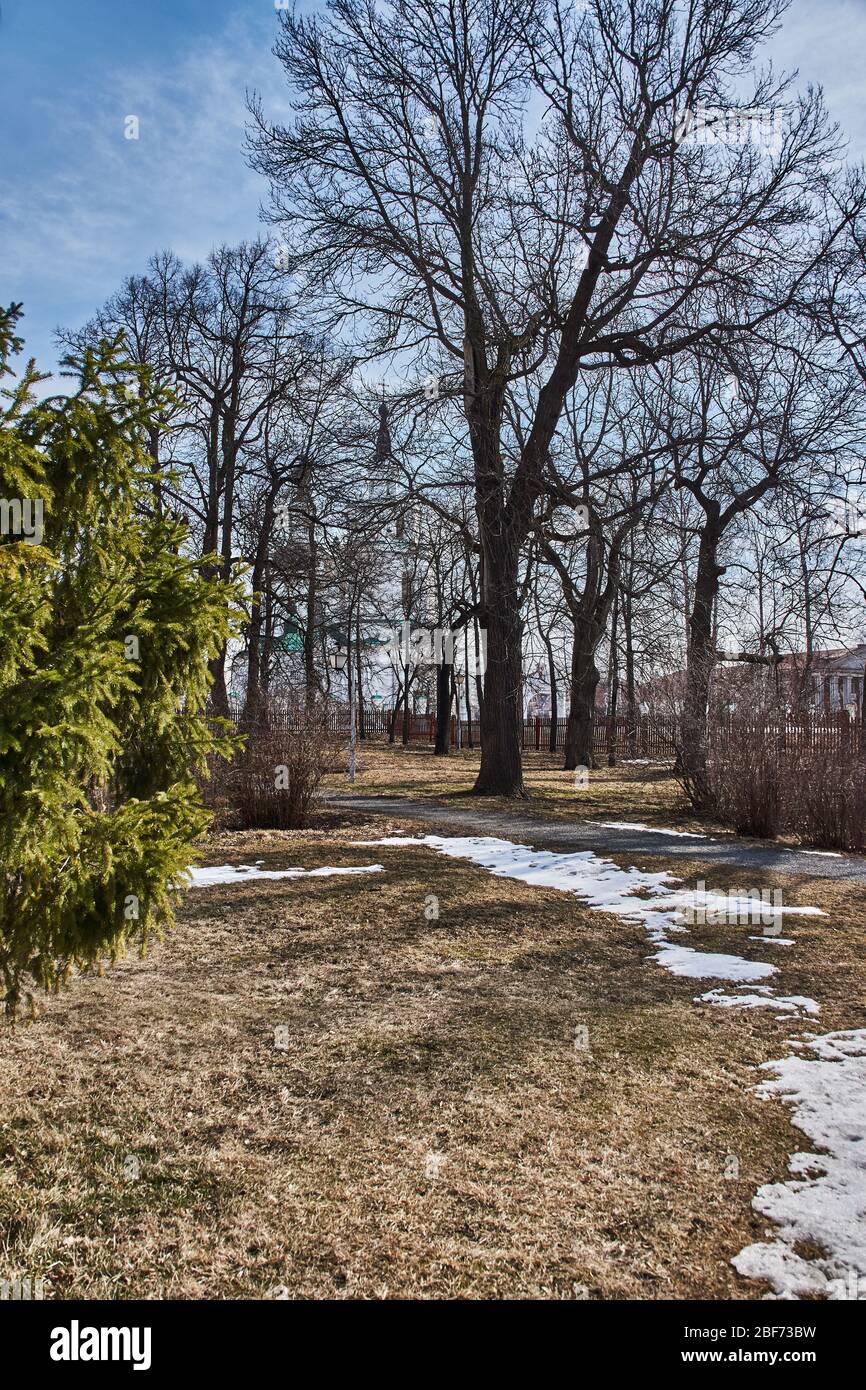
[(703, 965), (820, 853), (761, 998), (731, 908), (243, 873), (775, 940), (825, 1203), (649, 829)]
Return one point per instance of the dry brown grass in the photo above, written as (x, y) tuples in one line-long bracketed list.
[(827, 961), (430, 1129), (630, 791)]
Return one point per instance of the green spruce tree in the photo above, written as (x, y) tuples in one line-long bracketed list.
[(106, 628)]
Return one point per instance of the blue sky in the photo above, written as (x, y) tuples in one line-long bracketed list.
[(82, 206)]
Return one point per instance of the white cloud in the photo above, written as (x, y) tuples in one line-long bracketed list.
[(823, 39), (102, 204)]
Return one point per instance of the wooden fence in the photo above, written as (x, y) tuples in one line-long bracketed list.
[(828, 733), (650, 737), (647, 737)]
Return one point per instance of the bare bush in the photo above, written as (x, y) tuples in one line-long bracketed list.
[(272, 781), (746, 780), (760, 785), (826, 799)]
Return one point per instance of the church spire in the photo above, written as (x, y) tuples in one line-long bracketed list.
[(383, 435)]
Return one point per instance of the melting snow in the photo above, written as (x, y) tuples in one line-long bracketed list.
[(609, 888), (825, 1203), (698, 965), (650, 829), (242, 873), (761, 998), (730, 908)]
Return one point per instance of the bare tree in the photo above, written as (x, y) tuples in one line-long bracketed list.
[(424, 201), (734, 437)]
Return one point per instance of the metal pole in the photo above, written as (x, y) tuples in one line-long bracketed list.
[(352, 721)]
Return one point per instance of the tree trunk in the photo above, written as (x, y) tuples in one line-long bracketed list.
[(311, 682), (502, 526), (554, 696), (612, 685), (501, 773), (804, 677), (630, 693), (694, 753), (406, 712), (478, 677), (581, 711), (443, 710), (362, 731), (466, 686), (253, 702), (219, 694), (392, 723), (267, 644)]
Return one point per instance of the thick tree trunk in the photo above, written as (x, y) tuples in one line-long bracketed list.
[(581, 711), (406, 711), (502, 526), (219, 695), (253, 699), (694, 753), (501, 773), (443, 710), (392, 723), (588, 610)]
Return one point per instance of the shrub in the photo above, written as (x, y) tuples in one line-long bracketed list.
[(747, 782), (826, 799), (760, 787), (272, 783)]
